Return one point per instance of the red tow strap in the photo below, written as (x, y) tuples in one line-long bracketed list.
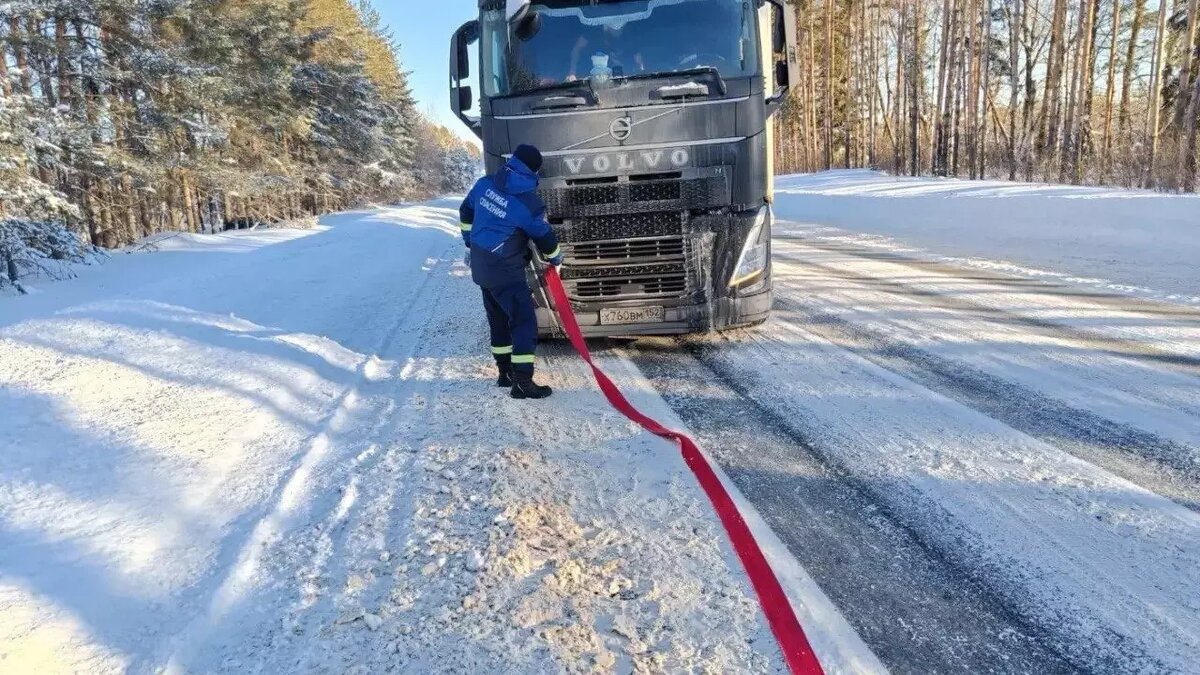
[(796, 650)]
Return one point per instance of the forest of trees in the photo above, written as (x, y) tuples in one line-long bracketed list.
[(124, 118), (1071, 91)]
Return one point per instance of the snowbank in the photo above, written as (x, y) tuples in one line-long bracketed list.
[(1137, 242)]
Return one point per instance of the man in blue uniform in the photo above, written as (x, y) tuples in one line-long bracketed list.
[(500, 216)]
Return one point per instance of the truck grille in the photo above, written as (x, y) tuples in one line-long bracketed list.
[(624, 251), (596, 195), (639, 282), (656, 191), (626, 197), (627, 226), (637, 256)]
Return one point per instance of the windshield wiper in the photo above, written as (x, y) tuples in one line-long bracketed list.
[(582, 86), (708, 71), (560, 102), (689, 89)]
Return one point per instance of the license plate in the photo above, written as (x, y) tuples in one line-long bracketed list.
[(631, 315)]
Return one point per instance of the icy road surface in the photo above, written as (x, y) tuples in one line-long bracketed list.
[(283, 452), (973, 425), (988, 460)]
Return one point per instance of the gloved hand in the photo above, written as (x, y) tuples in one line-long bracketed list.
[(467, 257), (557, 261)]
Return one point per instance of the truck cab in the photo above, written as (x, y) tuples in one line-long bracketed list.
[(654, 118)]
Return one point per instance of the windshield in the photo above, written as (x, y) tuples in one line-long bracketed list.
[(556, 44)]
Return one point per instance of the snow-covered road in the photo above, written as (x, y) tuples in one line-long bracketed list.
[(973, 421), (283, 452), (984, 471)]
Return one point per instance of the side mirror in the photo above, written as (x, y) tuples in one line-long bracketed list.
[(462, 97), (460, 55), (779, 35), (462, 65), (786, 68)]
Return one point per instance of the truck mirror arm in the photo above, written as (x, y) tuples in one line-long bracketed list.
[(776, 101)]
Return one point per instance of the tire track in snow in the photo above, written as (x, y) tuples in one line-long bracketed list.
[(328, 646), (962, 269), (280, 515), (1159, 465), (1140, 432), (1119, 347), (1047, 543), (918, 612), (381, 488)]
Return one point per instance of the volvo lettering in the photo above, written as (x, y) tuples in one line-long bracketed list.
[(626, 161), (654, 117)]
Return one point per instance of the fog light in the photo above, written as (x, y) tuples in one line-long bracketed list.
[(752, 264)]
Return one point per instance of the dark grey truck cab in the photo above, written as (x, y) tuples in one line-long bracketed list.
[(654, 117)]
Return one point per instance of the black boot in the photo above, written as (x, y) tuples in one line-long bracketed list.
[(505, 379), (524, 387)]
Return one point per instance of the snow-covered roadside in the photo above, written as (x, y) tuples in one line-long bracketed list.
[(279, 452), (1123, 241)]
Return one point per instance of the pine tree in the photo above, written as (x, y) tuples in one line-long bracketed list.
[(1016, 88), (122, 118)]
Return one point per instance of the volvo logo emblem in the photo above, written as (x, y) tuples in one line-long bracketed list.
[(621, 128)]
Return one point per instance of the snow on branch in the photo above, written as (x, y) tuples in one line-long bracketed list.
[(40, 249)]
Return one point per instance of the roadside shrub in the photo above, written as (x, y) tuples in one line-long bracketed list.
[(45, 249)]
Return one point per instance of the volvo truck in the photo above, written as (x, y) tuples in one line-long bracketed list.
[(654, 118)]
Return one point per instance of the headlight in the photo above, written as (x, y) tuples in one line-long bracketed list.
[(752, 263)]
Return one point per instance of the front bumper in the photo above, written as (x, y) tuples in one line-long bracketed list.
[(722, 314), (682, 262)]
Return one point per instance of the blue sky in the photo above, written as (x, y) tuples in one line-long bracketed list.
[(423, 31)]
